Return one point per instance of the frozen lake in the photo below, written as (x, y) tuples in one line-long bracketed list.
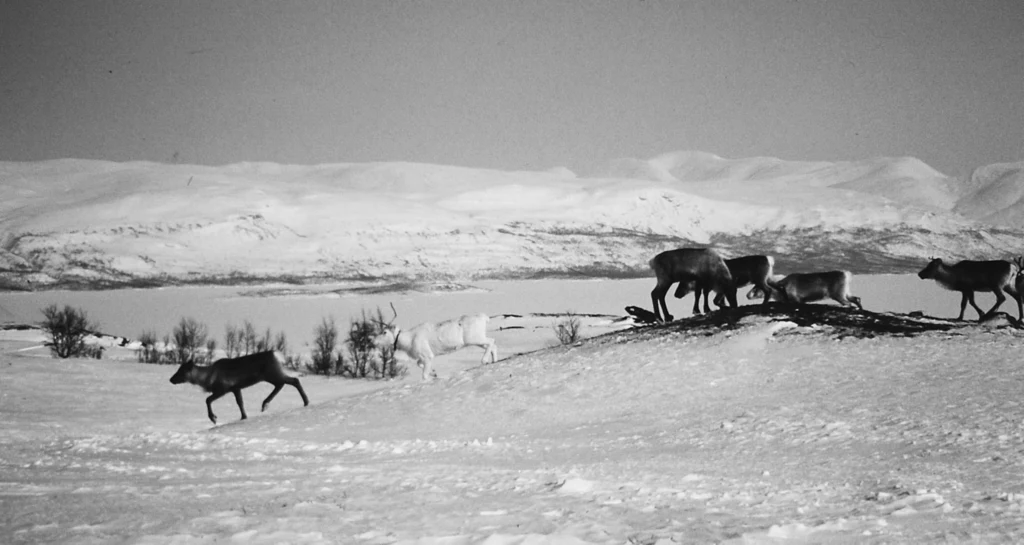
[(297, 310)]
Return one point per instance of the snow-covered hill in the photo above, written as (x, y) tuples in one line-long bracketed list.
[(77, 222), (812, 425), (996, 194)]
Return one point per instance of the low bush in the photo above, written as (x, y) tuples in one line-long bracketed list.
[(567, 330), (242, 341), (324, 359), (388, 365), (190, 338), (67, 329), (359, 356), (361, 346), (148, 351)]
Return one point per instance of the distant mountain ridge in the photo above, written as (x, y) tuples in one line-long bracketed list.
[(95, 223)]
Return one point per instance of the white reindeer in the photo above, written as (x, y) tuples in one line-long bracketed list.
[(429, 339)]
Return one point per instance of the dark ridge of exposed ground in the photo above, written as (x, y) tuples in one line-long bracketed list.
[(840, 321)]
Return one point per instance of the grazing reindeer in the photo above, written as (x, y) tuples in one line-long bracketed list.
[(429, 339), (770, 294), (750, 269), (703, 267), (968, 277), (802, 288), (232, 374), (641, 315)]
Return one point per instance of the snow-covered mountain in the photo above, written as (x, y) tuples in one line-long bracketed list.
[(77, 222), (995, 194)]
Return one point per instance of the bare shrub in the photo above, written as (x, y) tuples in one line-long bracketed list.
[(168, 355), (190, 337), (325, 340), (280, 342), (388, 365), (361, 346), (567, 330), (93, 351), (66, 329), (232, 341), (248, 339), (293, 362), (148, 352), (365, 358), (242, 341)]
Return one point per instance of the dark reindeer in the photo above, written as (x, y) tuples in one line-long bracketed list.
[(233, 374), (1018, 286), (802, 288), (968, 277), (703, 267), (749, 269), (641, 315)]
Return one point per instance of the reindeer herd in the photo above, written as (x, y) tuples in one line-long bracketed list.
[(702, 270), (696, 270)]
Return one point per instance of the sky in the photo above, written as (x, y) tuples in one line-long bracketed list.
[(512, 85)]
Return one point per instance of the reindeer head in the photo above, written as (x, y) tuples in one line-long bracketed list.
[(929, 272), (1018, 265), (387, 332), (183, 372)]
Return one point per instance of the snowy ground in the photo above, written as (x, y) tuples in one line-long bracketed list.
[(757, 434)]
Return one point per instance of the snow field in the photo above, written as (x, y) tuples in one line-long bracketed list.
[(763, 433)]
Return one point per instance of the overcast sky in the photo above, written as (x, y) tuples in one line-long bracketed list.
[(512, 84)]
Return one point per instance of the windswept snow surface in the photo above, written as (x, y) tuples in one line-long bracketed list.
[(94, 223), (762, 433)]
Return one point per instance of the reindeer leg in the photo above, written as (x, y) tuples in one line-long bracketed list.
[(963, 305), (1000, 299), (1012, 292), (238, 399), (707, 293), (428, 369), (1020, 308), (277, 388), (658, 300), (970, 299), (489, 350), (298, 386), (209, 405), (719, 300)]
